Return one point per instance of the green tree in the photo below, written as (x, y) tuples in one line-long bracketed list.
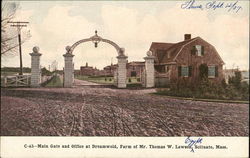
[(236, 79), (45, 72)]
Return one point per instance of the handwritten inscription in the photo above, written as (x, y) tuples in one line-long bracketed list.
[(213, 5), (192, 142), (191, 5)]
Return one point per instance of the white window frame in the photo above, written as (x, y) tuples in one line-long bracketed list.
[(182, 67), (167, 68), (209, 67), (168, 54), (199, 50)]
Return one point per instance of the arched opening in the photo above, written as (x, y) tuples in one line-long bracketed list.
[(119, 73), (94, 66)]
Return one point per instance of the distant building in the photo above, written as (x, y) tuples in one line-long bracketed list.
[(135, 69), (245, 74), (110, 69), (231, 72), (87, 70)]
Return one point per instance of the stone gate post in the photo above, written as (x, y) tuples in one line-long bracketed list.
[(149, 70), (35, 67), (68, 69), (122, 70)]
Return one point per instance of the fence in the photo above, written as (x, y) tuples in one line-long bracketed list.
[(15, 81)]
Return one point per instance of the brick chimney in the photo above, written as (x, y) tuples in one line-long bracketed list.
[(187, 37)]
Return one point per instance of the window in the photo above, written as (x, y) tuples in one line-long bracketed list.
[(168, 55), (198, 50), (184, 71), (212, 71), (167, 68), (133, 74)]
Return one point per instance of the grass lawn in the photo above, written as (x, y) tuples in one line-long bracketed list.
[(133, 80), (55, 82), (105, 80), (99, 79)]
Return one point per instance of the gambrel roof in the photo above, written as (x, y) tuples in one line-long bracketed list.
[(174, 49)]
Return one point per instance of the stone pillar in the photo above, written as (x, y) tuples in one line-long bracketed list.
[(35, 68), (122, 69), (149, 70), (68, 69), (115, 78)]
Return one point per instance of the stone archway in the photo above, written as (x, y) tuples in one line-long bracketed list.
[(121, 73)]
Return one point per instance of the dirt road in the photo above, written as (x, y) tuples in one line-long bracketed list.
[(94, 110)]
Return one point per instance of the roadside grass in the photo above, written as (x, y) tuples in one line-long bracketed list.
[(55, 82), (133, 80), (106, 80), (134, 85), (98, 79), (201, 99)]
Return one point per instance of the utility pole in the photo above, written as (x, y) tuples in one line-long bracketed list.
[(19, 25)]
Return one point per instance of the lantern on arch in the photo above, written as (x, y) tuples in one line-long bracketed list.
[(96, 39)]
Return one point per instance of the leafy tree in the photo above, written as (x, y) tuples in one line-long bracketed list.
[(46, 72), (235, 80), (223, 83)]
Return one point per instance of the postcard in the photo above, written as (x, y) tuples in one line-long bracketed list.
[(125, 79)]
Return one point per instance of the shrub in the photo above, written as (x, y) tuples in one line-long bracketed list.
[(223, 83), (208, 89), (45, 72), (235, 80)]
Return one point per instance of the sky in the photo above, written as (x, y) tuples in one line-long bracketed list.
[(133, 25)]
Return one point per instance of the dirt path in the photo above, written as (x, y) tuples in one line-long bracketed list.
[(83, 83), (102, 111)]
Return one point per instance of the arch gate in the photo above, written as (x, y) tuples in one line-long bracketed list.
[(120, 74)]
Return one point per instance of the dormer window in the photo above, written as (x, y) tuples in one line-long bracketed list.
[(198, 50), (168, 54)]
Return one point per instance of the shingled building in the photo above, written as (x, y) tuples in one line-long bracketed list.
[(184, 59)]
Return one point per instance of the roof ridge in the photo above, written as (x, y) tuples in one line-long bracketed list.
[(189, 41)]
